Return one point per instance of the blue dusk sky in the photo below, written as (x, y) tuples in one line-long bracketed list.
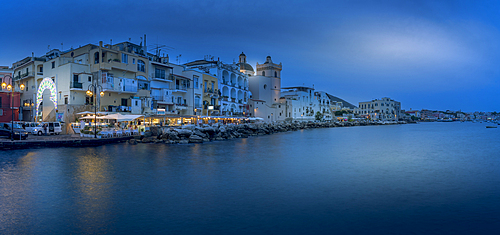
[(426, 54)]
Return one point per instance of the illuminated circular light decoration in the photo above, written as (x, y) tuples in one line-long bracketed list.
[(46, 83)]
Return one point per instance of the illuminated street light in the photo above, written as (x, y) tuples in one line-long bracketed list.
[(92, 89), (10, 88)]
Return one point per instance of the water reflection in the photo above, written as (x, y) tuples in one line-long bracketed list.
[(16, 190), (93, 181)]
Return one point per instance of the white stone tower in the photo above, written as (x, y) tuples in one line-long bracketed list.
[(272, 71)]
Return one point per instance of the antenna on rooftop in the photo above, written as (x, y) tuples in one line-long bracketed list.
[(158, 47)]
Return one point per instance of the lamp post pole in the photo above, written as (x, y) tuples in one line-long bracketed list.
[(92, 91)]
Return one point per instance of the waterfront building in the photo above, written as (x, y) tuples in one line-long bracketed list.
[(133, 82), (5, 96), (300, 103), (384, 109), (56, 83), (232, 85), (414, 113), (273, 103), (338, 104), (175, 89), (5, 76), (324, 106), (265, 87), (9, 102), (210, 95), (193, 95), (427, 115), (29, 71)]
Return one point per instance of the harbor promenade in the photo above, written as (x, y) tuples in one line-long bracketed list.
[(178, 135), (52, 141)]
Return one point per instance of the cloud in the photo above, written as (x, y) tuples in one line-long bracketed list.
[(417, 51)]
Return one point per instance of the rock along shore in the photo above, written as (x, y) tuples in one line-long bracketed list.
[(199, 134)]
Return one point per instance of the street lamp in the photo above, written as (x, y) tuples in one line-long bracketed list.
[(11, 88), (92, 89)]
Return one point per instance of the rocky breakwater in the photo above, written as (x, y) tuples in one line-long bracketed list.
[(199, 134)]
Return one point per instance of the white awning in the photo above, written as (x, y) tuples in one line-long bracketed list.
[(93, 117), (85, 112), (121, 118)]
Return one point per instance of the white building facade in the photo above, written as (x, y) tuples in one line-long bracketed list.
[(232, 85), (384, 109), (265, 87)]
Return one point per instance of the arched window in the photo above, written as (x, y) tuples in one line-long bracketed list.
[(275, 74), (263, 73), (141, 66)]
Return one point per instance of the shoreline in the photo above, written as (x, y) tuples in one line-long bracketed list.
[(205, 133), (183, 134)]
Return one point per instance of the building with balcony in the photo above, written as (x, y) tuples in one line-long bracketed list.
[(119, 69), (211, 95), (29, 71), (301, 103), (324, 105), (175, 89), (384, 109), (5, 75), (232, 85)]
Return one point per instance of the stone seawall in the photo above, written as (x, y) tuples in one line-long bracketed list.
[(70, 142), (199, 134)]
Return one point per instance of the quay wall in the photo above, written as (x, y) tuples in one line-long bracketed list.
[(70, 142)]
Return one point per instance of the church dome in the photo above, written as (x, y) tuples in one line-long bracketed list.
[(245, 66), (243, 63)]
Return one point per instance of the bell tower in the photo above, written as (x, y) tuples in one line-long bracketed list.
[(272, 71)]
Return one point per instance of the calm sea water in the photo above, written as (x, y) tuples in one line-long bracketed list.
[(428, 178)]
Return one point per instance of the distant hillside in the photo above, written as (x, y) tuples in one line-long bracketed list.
[(345, 103)]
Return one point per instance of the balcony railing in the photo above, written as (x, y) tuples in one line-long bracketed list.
[(78, 85), (108, 86), (23, 75), (166, 77), (157, 97), (181, 87)]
